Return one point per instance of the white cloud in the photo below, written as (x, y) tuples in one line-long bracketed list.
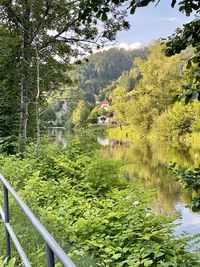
[(123, 45), (168, 19), (136, 45), (132, 46), (127, 46), (173, 19)]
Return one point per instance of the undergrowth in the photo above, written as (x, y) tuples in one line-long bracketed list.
[(97, 217)]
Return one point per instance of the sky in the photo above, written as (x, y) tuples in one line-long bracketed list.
[(151, 23)]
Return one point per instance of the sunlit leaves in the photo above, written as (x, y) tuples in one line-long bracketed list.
[(111, 224), (191, 180)]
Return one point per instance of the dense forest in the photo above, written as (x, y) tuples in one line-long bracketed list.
[(104, 67)]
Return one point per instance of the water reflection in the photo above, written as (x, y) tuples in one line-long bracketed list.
[(59, 134), (188, 221), (111, 142), (146, 164)]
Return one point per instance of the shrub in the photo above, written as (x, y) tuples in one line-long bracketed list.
[(98, 219)]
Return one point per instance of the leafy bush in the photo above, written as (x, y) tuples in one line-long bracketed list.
[(98, 219), (175, 122), (191, 180)]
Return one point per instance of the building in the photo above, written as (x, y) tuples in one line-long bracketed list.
[(104, 104)]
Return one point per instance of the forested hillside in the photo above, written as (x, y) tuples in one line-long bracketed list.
[(104, 67), (152, 109), (142, 96)]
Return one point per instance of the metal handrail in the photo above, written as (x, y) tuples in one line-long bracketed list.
[(51, 246)]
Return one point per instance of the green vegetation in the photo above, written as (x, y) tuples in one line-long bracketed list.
[(81, 198), (32, 41), (104, 67), (4, 263), (149, 108), (80, 115), (190, 179), (96, 79), (177, 121), (100, 219), (124, 133)]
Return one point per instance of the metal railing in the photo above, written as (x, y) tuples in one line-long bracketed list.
[(51, 246)]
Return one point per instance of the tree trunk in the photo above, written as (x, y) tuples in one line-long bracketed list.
[(25, 79), (23, 113), (37, 108)]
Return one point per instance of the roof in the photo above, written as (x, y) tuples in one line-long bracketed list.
[(105, 102)]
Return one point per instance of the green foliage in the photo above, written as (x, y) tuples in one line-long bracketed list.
[(90, 132), (95, 113), (140, 114), (191, 179), (101, 11), (189, 36), (104, 67), (83, 201), (177, 121), (102, 174), (9, 87), (125, 133), (4, 263), (118, 107), (149, 108), (44, 32), (49, 115), (182, 38), (162, 77), (127, 80), (80, 115)]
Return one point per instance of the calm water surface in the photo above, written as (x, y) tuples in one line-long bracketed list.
[(146, 164)]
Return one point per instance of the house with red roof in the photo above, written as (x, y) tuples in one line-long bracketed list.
[(104, 104)]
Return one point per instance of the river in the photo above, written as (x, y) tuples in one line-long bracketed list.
[(147, 164)]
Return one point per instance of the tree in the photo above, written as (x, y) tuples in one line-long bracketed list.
[(118, 107), (189, 35), (102, 7), (80, 115), (73, 94), (161, 79), (95, 113), (58, 29), (9, 90), (104, 67), (177, 121)]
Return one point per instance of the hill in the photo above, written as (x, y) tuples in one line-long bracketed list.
[(104, 67)]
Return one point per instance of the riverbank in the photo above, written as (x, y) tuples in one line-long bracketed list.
[(99, 218), (124, 133), (127, 133)]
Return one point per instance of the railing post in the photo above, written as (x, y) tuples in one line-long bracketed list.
[(6, 211), (49, 256), (51, 246)]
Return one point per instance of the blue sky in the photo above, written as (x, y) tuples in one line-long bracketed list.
[(151, 23)]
